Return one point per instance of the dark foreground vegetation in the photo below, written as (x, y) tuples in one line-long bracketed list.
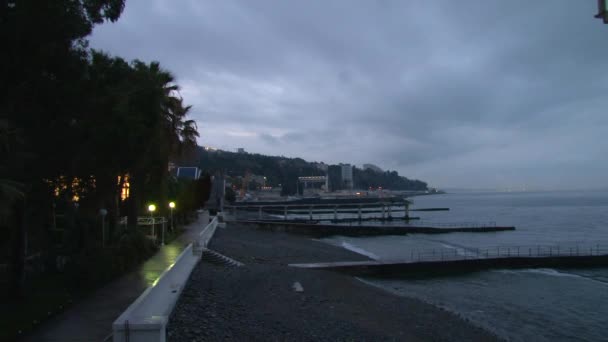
[(85, 140)]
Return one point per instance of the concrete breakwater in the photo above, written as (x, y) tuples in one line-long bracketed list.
[(449, 263), (324, 230)]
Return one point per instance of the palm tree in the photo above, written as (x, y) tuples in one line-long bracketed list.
[(12, 201)]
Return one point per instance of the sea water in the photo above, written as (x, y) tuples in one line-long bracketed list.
[(522, 304)]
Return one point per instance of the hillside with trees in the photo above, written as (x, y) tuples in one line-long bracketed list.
[(283, 172)]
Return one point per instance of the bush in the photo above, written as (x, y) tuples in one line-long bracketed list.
[(95, 265)]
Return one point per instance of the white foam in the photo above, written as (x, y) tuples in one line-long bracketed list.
[(544, 271), (360, 250), (551, 272), (459, 251)]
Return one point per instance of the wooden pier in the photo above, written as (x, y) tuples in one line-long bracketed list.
[(334, 211)]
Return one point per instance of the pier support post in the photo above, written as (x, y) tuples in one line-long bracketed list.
[(407, 211), (259, 213), (310, 213), (285, 213), (383, 211), (389, 212), (336, 213), (359, 212)]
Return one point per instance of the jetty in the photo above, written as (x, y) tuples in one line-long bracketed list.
[(319, 230), (439, 261)]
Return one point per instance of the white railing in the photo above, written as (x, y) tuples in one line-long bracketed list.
[(147, 317), (144, 220), (527, 251)]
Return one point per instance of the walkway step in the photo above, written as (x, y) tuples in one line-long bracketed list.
[(218, 258)]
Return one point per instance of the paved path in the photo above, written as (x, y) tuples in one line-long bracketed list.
[(91, 319)]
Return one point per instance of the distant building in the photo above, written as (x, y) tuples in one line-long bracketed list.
[(334, 173), (347, 176), (240, 150), (372, 167), (193, 173)]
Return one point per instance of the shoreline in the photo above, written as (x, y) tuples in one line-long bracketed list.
[(439, 307), (259, 302)]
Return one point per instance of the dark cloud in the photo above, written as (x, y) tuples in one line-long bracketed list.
[(459, 93)]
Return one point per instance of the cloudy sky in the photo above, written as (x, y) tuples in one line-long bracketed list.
[(468, 93)]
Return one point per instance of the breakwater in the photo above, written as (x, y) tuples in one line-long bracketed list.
[(324, 230), (450, 260)]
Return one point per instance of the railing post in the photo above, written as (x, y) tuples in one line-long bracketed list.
[(336, 213), (285, 213), (383, 211), (359, 212), (259, 212), (389, 212), (310, 213)]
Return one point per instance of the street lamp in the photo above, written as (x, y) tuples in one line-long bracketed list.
[(171, 207), (151, 209)]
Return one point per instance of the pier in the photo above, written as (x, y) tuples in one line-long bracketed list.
[(329, 210), (323, 230), (437, 261)]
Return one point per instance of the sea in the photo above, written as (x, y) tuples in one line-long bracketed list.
[(540, 304)]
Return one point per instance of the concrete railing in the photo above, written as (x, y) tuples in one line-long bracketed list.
[(147, 317)]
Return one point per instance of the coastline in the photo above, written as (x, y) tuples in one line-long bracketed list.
[(257, 301)]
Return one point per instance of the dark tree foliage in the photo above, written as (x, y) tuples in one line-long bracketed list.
[(367, 178), (278, 170), (79, 123)]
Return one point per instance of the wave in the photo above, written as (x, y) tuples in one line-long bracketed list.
[(555, 273), (459, 250), (358, 250), (551, 272)]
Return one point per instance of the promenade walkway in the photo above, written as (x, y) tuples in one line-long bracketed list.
[(91, 319)]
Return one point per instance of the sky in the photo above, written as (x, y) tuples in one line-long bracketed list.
[(468, 94)]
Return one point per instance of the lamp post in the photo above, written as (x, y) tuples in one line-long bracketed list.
[(151, 209), (171, 207)]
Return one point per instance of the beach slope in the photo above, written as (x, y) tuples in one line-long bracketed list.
[(261, 302)]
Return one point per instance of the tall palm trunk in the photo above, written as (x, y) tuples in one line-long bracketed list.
[(19, 248)]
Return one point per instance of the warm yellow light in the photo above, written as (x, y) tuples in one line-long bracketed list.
[(151, 208), (171, 205)]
